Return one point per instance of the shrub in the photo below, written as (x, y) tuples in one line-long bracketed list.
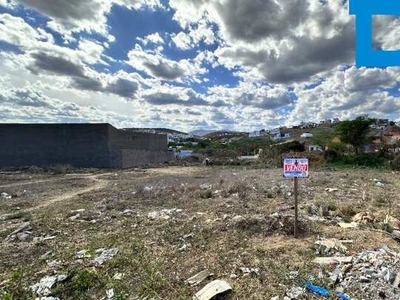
[(59, 169), (364, 160), (395, 163)]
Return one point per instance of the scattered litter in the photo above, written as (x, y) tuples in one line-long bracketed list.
[(379, 184), (46, 255), (396, 234), (5, 196), (148, 188), (118, 276), (250, 271), (212, 289), (293, 274), (394, 223), (82, 254), (333, 260), (314, 210), (43, 288), (53, 264), (48, 298), (127, 212), (73, 218), (110, 294), (198, 278), (372, 273), (103, 255), (164, 214), (206, 186), (318, 290), (364, 218), (183, 248), (238, 219), (41, 239), (343, 296), (331, 190), (329, 247), (24, 228), (321, 291), (295, 292), (348, 225)]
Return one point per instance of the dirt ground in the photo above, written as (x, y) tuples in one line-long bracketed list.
[(170, 223)]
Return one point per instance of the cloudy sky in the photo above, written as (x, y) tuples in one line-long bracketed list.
[(190, 64)]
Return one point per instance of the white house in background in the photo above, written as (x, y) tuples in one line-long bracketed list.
[(177, 137), (312, 148), (275, 131), (256, 134), (280, 136), (307, 135)]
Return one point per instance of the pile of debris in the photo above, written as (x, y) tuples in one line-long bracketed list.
[(275, 224), (375, 274), (5, 196), (164, 214)]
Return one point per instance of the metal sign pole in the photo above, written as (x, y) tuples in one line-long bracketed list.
[(295, 206), (295, 167)]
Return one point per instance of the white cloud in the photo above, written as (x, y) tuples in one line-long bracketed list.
[(182, 41), (158, 66), (346, 94), (67, 17), (15, 30), (91, 51)]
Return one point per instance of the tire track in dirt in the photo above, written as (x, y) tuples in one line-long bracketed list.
[(99, 183)]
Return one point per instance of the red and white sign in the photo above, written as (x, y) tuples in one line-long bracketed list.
[(295, 167)]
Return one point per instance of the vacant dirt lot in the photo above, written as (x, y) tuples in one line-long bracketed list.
[(170, 223)]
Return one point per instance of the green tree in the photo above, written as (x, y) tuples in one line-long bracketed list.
[(354, 132)]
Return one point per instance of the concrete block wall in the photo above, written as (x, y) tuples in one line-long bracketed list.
[(125, 139), (79, 145), (135, 158)]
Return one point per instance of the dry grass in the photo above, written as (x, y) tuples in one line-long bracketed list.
[(232, 224)]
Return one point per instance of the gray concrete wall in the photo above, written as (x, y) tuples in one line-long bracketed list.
[(132, 149), (134, 158), (128, 158), (79, 145), (124, 139)]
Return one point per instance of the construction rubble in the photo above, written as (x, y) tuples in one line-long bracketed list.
[(372, 273)]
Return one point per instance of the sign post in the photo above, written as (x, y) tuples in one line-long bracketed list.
[(295, 168)]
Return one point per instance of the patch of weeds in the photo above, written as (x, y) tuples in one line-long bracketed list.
[(19, 215), (207, 194), (151, 281), (348, 211), (330, 205), (223, 261), (16, 288), (6, 296), (138, 263), (80, 284), (381, 201), (270, 195), (240, 188), (305, 252)]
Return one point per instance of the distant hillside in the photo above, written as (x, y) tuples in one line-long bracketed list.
[(201, 132), (224, 134), (157, 130)]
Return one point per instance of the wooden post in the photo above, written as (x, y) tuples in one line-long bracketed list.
[(295, 206)]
